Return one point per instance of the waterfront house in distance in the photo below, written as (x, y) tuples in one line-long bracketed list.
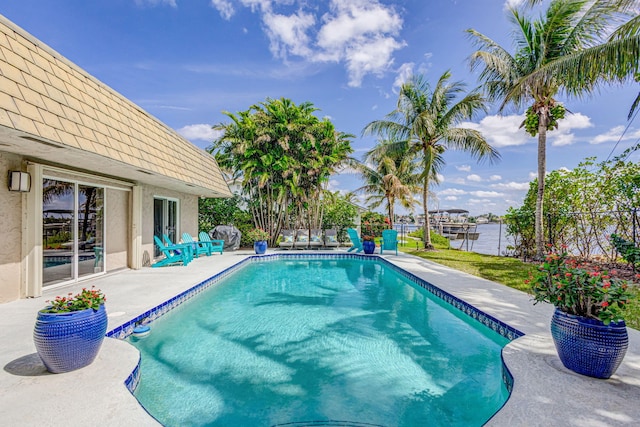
[(86, 176)]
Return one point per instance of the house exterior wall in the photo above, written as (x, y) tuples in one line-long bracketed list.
[(117, 226), (11, 226), (57, 121), (188, 216)]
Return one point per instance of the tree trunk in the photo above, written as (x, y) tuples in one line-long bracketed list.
[(542, 169), (427, 233)]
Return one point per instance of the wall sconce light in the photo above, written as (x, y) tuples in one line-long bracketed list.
[(19, 181)]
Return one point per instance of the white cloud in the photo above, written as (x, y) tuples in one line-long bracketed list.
[(201, 132), (404, 73), (440, 177), (533, 175), (451, 198), (485, 202), (501, 131), (360, 34), (512, 185), (451, 192), (563, 135), (615, 134), (486, 194), (224, 7), (464, 168), (456, 181), (473, 177), (495, 178), (288, 34)]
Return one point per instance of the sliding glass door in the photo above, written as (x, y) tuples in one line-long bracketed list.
[(165, 220), (72, 231)]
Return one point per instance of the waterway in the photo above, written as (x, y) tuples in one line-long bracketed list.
[(492, 240)]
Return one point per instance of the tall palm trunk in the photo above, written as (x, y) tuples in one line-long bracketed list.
[(543, 124), (427, 233)]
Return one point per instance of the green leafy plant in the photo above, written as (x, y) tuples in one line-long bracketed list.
[(574, 289), (627, 250), (257, 235), (87, 298), (368, 238)]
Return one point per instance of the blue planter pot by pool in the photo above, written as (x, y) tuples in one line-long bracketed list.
[(588, 346), (260, 247), (69, 341), (369, 246)]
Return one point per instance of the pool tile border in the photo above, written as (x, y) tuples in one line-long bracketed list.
[(125, 330)]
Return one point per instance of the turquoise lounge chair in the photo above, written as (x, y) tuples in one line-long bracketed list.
[(198, 247), (355, 240), (389, 241), (215, 245), (173, 253)]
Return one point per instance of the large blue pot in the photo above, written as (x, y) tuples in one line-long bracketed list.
[(369, 246), (588, 346), (260, 247), (69, 341)]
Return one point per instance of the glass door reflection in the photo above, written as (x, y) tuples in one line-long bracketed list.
[(58, 200)]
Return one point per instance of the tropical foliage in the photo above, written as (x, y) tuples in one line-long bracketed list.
[(339, 213), (584, 206), (391, 178), (424, 125), (565, 49), (284, 156)]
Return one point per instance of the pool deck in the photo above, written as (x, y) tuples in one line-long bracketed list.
[(544, 393)]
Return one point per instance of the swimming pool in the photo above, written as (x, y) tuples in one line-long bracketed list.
[(313, 339)]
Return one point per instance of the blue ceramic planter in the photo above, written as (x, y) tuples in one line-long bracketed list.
[(260, 247), (588, 346), (369, 246), (69, 341)]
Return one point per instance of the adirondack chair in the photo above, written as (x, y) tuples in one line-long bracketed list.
[(355, 240), (389, 241), (198, 247), (172, 253), (215, 245), (189, 248)]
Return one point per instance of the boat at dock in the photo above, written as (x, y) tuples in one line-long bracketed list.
[(453, 224)]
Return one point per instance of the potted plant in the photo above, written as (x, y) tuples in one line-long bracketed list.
[(587, 327), (70, 330), (259, 237), (368, 244)]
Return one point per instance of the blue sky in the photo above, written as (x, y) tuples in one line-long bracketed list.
[(187, 61)]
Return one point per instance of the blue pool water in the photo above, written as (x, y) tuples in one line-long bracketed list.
[(300, 342)]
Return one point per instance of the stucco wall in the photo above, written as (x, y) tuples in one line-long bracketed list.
[(11, 225), (117, 228), (188, 216)]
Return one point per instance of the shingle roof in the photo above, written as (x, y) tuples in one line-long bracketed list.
[(45, 95)]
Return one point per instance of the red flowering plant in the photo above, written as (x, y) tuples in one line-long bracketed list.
[(575, 289), (87, 298)]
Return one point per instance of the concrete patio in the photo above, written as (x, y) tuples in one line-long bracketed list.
[(544, 393)]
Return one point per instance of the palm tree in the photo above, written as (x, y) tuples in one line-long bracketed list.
[(614, 60), (284, 155), (424, 123), (391, 179), (567, 30)]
